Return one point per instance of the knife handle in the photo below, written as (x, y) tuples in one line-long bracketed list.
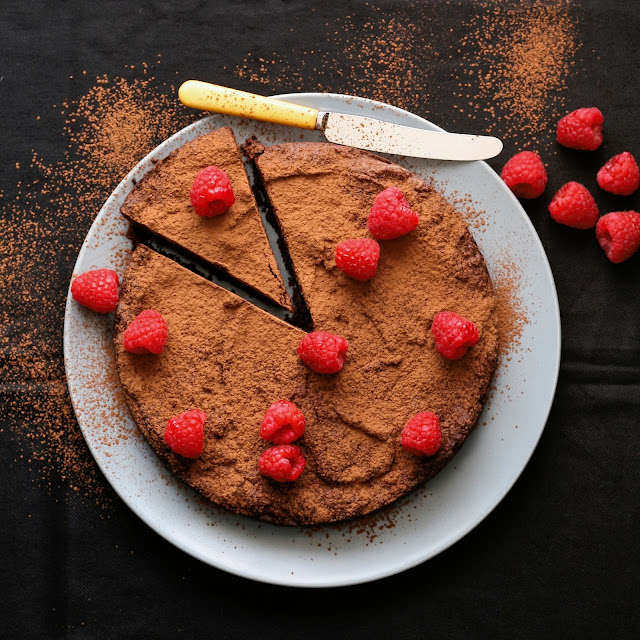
[(231, 102)]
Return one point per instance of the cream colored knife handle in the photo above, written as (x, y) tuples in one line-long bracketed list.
[(211, 97)]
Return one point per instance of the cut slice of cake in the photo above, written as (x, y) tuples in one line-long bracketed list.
[(234, 243)]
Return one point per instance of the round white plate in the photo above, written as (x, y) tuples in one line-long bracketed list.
[(419, 526)]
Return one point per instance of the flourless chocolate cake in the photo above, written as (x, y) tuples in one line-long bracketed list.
[(232, 360)]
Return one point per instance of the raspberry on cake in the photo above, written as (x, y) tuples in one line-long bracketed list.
[(422, 435), (358, 258), (525, 175), (282, 463), (453, 334), (618, 234), (581, 129), (391, 216), (146, 334), (323, 352), (211, 193), (97, 290), (620, 175), (574, 206), (184, 433), (282, 423)]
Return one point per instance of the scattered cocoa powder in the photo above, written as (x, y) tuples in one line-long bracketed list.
[(387, 58), (515, 61), (513, 317), (43, 221), (508, 71), (506, 277), (364, 528)]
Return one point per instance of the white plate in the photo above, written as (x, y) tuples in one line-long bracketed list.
[(429, 520)]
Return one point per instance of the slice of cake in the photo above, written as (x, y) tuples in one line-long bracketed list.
[(234, 243)]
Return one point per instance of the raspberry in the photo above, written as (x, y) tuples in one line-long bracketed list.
[(283, 463), (574, 206), (620, 175), (323, 352), (184, 433), (422, 435), (97, 289), (358, 258), (525, 175), (581, 129), (619, 234), (391, 216), (211, 193), (453, 334), (146, 334), (282, 423)]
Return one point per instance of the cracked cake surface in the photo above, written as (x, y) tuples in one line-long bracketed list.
[(232, 360)]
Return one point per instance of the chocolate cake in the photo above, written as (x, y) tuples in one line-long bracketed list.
[(233, 243), (232, 360)]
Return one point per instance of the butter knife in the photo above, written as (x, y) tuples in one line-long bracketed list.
[(341, 128)]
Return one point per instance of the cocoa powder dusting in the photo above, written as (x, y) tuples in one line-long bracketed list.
[(105, 132), (515, 64), (506, 278), (509, 64), (387, 326), (512, 315), (388, 58)]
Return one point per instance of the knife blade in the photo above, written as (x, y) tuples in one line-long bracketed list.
[(341, 128), (387, 137)]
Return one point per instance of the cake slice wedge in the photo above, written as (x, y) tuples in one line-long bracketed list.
[(233, 244)]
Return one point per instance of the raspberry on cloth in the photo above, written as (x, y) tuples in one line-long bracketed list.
[(581, 129), (525, 175), (574, 206), (618, 234), (620, 175)]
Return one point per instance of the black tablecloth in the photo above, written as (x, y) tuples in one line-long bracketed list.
[(558, 557)]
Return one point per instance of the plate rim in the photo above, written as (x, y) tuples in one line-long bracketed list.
[(321, 581)]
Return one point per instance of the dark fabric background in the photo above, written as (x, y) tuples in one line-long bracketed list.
[(557, 558)]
